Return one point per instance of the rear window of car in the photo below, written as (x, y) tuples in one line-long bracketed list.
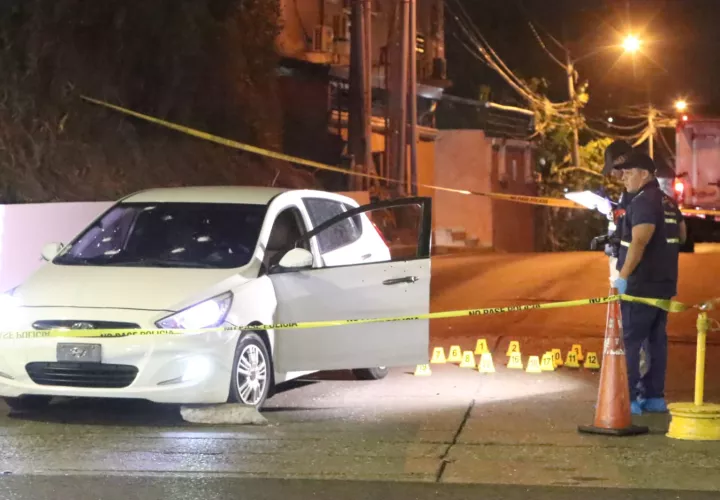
[(342, 233)]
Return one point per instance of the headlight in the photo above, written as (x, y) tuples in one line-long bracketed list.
[(207, 314)]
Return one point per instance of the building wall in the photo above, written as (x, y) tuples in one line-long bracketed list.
[(513, 223), (299, 18), (20, 249), (463, 161), (468, 160)]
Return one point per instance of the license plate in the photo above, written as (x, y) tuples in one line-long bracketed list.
[(79, 353)]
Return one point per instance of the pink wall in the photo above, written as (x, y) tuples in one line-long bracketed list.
[(513, 223), (466, 159), (26, 228), (462, 161)]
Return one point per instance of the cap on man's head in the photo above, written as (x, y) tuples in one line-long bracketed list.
[(636, 160), (616, 152)]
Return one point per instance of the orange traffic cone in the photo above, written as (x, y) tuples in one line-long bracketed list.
[(612, 413)]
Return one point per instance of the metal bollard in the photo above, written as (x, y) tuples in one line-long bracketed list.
[(697, 421), (702, 329)]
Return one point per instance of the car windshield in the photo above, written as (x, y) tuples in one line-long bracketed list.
[(190, 235)]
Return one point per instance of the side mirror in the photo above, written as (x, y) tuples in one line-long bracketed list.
[(297, 258), (51, 250)]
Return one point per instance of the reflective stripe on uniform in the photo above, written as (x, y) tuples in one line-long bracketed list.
[(671, 221), (669, 240)]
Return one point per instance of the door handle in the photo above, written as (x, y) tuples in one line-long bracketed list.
[(397, 281)]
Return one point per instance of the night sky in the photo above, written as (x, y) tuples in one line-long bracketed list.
[(680, 56)]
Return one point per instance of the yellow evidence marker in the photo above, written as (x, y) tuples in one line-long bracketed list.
[(438, 356), (486, 364), (481, 347), (572, 360), (455, 354), (515, 361), (547, 364), (514, 347), (533, 365), (591, 361), (577, 349), (468, 360), (423, 371), (557, 357)]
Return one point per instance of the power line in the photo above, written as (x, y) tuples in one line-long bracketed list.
[(547, 51), (489, 55)]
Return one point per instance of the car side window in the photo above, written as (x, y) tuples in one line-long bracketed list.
[(339, 235), (287, 228)]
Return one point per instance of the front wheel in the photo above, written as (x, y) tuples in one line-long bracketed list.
[(377, 373), (28, 403), (252, 372)]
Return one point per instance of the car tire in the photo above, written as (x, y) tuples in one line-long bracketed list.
[(252, 372), (377, 373), (28, 403)]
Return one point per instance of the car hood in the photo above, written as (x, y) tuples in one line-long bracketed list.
[(161, 289)]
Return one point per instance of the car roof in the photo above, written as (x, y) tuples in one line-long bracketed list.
[(253, 195)]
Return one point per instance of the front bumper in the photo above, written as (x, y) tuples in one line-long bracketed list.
[(185, 369)]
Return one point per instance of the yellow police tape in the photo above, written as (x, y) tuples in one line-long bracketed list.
[(667, 305), (532, 200)]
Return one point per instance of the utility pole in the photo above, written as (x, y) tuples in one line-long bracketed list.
[(368, 95), (652, 115), (570, 69), (360, 106), (412, 97), (401, 90)]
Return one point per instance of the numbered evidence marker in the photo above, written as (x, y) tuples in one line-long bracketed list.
[(514, 347), (486, 364), (577, 349), (455, 354), (557, 357), (481, 347), (547, 364), (468, 360), (572, 360), (533, 365), (591, 361), (438, 356), (423, 371), (515, 362)]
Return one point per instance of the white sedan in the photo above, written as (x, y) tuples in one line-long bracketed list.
[(205, 257)]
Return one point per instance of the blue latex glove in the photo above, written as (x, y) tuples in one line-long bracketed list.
[(621, 285)]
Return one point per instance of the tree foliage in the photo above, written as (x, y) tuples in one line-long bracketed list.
[(561, 228), (209, 64)]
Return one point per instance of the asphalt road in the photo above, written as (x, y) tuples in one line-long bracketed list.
[(208, 488), (455, 434), (492, 280)]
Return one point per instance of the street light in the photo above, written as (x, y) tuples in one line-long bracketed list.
[(631, 44), (680, 105)]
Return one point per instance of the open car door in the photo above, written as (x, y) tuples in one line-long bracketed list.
[(396, 283)]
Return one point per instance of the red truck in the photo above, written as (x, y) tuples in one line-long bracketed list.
[(696, 185)]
